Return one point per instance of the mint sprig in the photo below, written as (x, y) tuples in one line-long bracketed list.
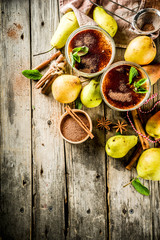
[(140, 187), (132, 73), (138, 88), (137, 85), (77, 53)]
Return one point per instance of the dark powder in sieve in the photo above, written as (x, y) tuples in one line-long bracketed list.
[(147, 27), (71, 130)]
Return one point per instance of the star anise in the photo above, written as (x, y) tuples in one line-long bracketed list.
[(120, 126), (103, 123)]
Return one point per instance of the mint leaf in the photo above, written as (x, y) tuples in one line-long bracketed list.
[(78, 103), (81, 51), (77, 53), (132, 73), (140, 82), (32, 74), (76, 58), (140, 90), (140, 187), (72, 60)]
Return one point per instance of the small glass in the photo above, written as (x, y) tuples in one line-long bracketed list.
[(109, 38), (120, 63)]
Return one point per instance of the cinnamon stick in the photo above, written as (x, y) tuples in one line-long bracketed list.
[(139, 127), (46, 86), (60, 58), (56, 68), (79, 121), (144, 142), (45, 63), (134, 157)]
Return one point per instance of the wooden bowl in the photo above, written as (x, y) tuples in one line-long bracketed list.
[(76, 111)]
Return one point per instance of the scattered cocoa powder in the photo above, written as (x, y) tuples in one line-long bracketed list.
[(14, 31), (71, 130)]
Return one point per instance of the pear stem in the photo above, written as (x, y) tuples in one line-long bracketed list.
[(129, 182), (42, 52)]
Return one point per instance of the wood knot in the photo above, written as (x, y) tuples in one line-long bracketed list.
[(88, 211), (22, 210)]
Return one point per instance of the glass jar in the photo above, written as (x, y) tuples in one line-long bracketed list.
[(108, 38), (131, 64)]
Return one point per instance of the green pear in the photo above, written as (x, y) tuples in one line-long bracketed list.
[(118, 146), (148, 166), (105, 21), (67, 25), (90, 95), (153, 125)]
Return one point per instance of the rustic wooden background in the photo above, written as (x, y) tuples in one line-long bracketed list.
[(49, 188)]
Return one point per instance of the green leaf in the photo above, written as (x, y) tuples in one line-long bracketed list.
[(140, 187), (140, 82), (81, 51), (77, 58), (78, 103), (132, 73), (140, 90), (72, 60), (32, 74), (77, 53)]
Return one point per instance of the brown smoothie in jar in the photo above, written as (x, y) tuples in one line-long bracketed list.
[(117, 90), (99, 54), (71, 130)]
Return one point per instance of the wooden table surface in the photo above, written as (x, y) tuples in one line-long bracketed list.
[(49, 188)]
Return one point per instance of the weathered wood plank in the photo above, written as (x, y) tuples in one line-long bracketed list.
[(15, 119), (87, 207), (131, 215), (48, 148)]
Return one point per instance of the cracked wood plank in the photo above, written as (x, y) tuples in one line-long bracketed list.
[(15, 119), (86, 169), (48, 150), (131, 215)]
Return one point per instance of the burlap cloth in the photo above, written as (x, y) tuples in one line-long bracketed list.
[(124, 35)]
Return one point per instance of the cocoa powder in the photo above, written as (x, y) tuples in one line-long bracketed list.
[(147, 27), (71, 130)]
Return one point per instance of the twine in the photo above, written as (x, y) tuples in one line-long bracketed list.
[(139, 133)]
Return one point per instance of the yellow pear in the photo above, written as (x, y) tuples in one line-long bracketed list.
[(148, 166), (153, 125), (67, 25), (141, 50), (153, 72), (105, 21), (66, 88)]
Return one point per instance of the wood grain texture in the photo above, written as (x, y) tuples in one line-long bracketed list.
[(15, 143), (131, 215), (77, 191), (48, 149), (87, 207)]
